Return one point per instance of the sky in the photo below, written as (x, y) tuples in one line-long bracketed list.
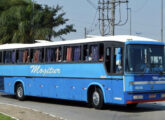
[(146, 17)]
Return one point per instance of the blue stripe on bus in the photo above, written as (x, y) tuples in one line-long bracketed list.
[(145, 42), (54, 70), (58, 70)]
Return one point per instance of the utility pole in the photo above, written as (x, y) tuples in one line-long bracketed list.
[(102, 16), (85, 32), (112, 25), (103, 24), (130, 26), (108, 22), (162, 24)]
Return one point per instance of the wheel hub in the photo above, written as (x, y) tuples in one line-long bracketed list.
[(20, 92), (96, 98)]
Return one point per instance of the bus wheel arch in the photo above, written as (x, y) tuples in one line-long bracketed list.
[(95, 96), (19, 90)]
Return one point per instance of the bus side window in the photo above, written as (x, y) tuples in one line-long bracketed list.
[(13, 56), (26, 56), (38, 56), (19, 56), (50, 55), (85, 52), (31, 55), (35, 56), (77, 53), (72, 54), (58, 54), (117, 60), (64, 53), (69, 54), (94, 53), (0, 57), (101, 52), (108, 60), (7, 57)]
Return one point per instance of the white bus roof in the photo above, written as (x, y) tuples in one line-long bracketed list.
[(118, 38)]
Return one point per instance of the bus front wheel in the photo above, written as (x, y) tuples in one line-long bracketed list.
[(20, 92), (97, 99)]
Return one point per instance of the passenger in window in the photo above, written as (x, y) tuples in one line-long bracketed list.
[(101, 58), (28, 59), (36, 56), (89, 58), (25, 56), (58, 55), (118, 59), (95, 54)]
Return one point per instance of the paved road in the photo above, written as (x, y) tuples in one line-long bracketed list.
[(80, 111)]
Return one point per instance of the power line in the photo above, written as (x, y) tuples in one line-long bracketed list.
[(121, 24), (92, 4), (162, 20), (93, 25), (94, 19), (142, 6), (104, 6)]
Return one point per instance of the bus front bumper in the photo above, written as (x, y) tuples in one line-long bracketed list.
[(145, 97), (144, 101)]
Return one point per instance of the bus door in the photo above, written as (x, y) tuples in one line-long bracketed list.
[(114, 61), (114, 68)]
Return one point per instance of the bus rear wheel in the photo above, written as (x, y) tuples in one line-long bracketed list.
[(97, 99), (20, 92)]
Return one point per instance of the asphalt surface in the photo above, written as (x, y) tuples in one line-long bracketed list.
[(79, 111)]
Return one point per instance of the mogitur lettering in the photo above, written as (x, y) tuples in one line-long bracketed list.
[(37, 69)]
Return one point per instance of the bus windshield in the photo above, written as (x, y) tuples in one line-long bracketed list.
[(146, 59)]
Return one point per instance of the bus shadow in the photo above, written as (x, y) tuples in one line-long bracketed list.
[(49, 101), (143, 107)]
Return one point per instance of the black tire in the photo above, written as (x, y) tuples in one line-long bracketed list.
[(20, 92), (97, 99)]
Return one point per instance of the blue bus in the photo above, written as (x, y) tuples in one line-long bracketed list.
[(124, 70)]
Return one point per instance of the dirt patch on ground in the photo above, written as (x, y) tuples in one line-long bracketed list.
[(25, 114)]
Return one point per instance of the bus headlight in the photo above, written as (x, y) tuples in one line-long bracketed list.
[(163, 95), (136, 97)]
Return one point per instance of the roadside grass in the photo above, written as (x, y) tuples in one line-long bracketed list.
[(4, 117)]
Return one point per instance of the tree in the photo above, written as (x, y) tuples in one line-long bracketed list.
[(22, 21)]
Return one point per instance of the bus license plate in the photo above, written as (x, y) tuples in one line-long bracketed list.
[(152, 96)]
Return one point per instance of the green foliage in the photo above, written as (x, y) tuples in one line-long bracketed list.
[(23, 21), (3, 117)]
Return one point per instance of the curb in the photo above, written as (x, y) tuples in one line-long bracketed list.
[(9, 116), (29, 109)]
